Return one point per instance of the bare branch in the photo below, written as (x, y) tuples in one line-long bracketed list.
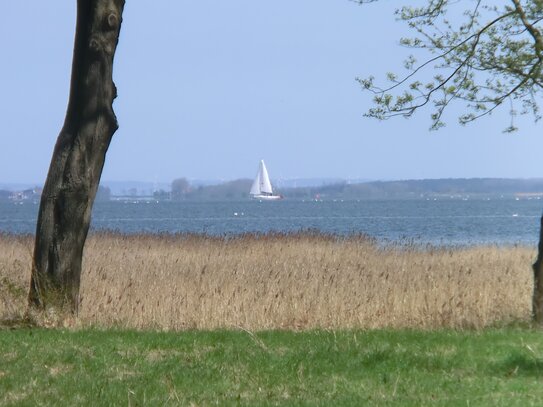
[(488, 63)]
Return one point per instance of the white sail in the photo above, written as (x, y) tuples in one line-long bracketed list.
[(265, 184), (261, 188), (255, 188), (261, 184)]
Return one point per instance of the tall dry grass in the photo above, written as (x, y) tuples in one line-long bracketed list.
[(282, 281)]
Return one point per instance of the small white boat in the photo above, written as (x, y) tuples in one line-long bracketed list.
[(261, 188)]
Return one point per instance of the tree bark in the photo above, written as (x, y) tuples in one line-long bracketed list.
[(78, 157), (537, 299)]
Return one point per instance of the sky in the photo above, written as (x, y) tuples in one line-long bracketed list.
[(207, 88)]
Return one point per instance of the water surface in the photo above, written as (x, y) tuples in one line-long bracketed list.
[(443, 222)]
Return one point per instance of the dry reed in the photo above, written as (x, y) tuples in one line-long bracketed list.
[(282, 281)]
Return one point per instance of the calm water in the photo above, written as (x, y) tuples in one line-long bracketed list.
[(444, 222)]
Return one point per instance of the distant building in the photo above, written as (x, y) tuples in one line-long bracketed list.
[(28, 195)]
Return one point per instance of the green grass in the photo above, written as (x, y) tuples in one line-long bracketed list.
[(405, 368)]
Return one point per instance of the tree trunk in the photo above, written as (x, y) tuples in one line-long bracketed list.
[(537, 299), (78, 157)]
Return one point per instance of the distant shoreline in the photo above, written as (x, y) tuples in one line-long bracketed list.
[(315, 188)]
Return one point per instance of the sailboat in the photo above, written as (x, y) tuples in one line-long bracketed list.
[(261, 188)]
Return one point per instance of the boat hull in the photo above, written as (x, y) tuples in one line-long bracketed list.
[(267, 197)]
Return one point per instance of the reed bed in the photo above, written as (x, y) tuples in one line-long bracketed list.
[(275, 281)]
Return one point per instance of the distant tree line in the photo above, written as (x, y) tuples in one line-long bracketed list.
[(34, 194), (182, 190), (103, 194)]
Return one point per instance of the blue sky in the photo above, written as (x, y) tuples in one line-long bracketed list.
[(208, 88)]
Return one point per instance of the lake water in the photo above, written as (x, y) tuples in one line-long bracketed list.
[(441, 222)]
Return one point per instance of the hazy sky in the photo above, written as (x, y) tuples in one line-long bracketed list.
[(208, 88)]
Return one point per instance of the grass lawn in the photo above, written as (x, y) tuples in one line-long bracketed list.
[(330, 368)]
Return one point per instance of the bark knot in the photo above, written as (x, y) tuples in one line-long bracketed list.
[(112, 21), (94, 44)]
